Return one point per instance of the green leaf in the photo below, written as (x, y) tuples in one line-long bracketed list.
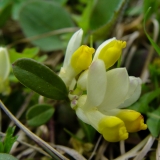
[(156, 47), (39, 78), (88, 130), (72, 135), (103, 12), (5, 13), (4, 156), (27, 53), (9, 139), (143, 104), (1, 147), (39, 114), (134, 11), (84, 19), (104, 15), (153, 122), (16, 8), (35, 21), (62, 2)]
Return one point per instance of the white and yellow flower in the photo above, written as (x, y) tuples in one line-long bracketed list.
[(77, 59), (100, 107), (98, 95)]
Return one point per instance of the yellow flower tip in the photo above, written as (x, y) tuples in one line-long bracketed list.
[(121, 44), (112, 129), (112, 52), (133, 120), (82, 58), (142, 125)]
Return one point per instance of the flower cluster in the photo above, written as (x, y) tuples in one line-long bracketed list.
[(98, 95)]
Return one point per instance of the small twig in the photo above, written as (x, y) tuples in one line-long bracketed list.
[(95, 148), (26, 152), (55, 154), (52, 130), (158, 150), (73, 153), (130, 41), (23, 107), (130, 56), (134, 150), (40, 36), (145, 74), (101, 150), (145, 149), (122, 147)]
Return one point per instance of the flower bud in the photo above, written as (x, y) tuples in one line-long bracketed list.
[(112, 129), (111, 52), (133, 120), (82, 58)]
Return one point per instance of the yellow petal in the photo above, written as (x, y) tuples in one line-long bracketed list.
[(111, 52), (112, 129), (133, 120), (82, 58)]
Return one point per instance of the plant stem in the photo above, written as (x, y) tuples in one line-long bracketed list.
[(44, 35), (91, 41)]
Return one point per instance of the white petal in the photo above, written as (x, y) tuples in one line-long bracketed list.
[(67, 74), (117, 89), (4, 64), (96, 83), (72, 85), (82, 80), (81, 115), (94, 117), (73, 45), (101, 47), (133, 93)]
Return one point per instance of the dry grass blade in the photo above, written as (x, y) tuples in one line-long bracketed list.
[(146, 148), (70, 152), (55, 154), (134, 150)]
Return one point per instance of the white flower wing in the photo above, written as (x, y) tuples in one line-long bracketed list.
[(117, 89), (96, 83), (73, 45), (133, 93), (82, 115)]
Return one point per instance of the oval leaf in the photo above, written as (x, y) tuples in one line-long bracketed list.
[(4, 156), (39, 78), (100, 16), (153, 122), (35, 21), (39, 114)]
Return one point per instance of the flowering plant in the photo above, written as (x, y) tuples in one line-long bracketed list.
[(98, 95)]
